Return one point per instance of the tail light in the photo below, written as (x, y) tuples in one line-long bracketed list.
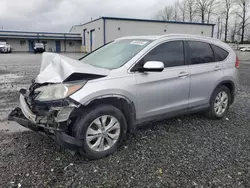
[(237, 63)]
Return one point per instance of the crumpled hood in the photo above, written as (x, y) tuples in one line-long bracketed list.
[(2, 45), (56, 68)]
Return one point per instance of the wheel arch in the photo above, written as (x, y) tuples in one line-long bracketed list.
[(230, 85), (124, 104)]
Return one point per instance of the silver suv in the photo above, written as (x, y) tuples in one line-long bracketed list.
[(89, 105)]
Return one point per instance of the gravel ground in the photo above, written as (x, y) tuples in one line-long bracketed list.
[(187, 151)]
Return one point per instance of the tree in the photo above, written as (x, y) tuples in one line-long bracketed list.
[(201, 8), (165, 14), (211, 6), (176, 11), (227, 5), (205, 8), (243, 6), (183, 9), (190, 9), (234, 29)]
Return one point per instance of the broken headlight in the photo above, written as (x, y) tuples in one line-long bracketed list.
[(57, 91)]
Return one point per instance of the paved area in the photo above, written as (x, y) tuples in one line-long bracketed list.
[(187, 151), (244, 57)]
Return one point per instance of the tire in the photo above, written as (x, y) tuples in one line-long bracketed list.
[(213, 112), (86, 122)]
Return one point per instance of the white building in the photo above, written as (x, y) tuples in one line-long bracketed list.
[(23, 41), (105, 29)]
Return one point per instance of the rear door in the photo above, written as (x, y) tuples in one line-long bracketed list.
[(205, 72), (167, 91)]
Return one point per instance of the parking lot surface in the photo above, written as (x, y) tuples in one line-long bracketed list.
[(187, 151)]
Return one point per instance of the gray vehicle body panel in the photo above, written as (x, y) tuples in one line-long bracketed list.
[(159, 93), (152, 93)]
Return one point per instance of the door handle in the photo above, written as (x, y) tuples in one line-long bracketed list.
[(217, 68), (183, 74)]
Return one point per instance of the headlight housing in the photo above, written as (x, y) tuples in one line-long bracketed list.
[(57, 91)]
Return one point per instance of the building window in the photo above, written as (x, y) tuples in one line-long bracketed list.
[(71, 44), (84, 37), (22, 42)]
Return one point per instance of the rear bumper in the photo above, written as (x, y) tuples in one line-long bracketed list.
[(62, 138)]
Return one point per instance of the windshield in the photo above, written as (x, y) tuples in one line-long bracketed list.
[(115, 54), (39, 44)]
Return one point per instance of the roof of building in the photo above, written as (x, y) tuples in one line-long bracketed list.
[(143, 20), (37, 32), (38, 35)]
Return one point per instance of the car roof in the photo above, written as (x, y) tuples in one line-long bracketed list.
[(156, 37), (180, 36)]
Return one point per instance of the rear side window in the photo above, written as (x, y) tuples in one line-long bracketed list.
[(219, 53), (170, 53), (200, 52)]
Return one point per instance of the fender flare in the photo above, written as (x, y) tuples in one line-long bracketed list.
[(223, 83), (109, 96)]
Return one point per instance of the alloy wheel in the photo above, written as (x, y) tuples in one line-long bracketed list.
[(103, 133), (221, 103)]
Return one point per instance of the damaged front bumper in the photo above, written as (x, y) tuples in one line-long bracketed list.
[(55, 127)]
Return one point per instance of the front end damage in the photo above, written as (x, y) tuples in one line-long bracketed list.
[(46, 107), (53, 118)]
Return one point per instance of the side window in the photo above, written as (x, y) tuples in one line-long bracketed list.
[(219, 53), (170, 53), (200, 52)]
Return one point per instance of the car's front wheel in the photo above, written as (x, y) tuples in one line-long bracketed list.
[(102, 129), (219, 103)]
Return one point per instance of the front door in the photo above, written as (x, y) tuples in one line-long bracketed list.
[(205, 73), (159, 93), (58, 46)]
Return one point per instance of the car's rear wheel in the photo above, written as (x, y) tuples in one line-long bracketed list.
[(102, 129), (219, 103)]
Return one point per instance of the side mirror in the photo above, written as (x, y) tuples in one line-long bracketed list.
[(153, 66)]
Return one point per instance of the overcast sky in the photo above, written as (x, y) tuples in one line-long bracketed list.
[(60, 15)]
